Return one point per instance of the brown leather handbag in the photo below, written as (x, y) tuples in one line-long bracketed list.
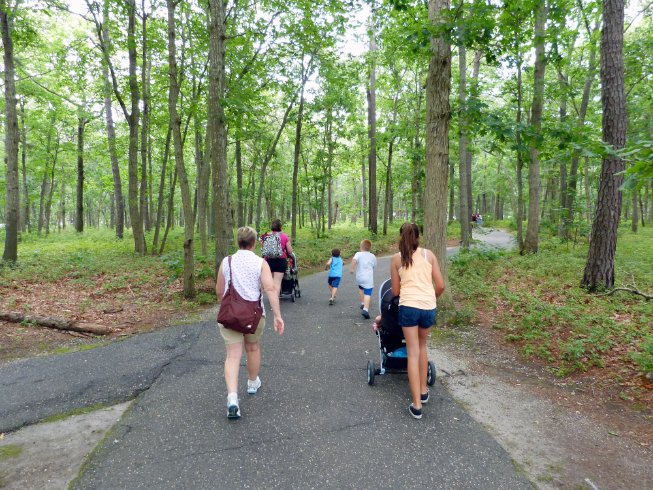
[(237, 313)]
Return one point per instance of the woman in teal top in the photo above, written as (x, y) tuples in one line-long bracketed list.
[(334, 266)]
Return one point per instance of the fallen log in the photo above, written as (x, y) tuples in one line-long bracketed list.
[(56, 323)]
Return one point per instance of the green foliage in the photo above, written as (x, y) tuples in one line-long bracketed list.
[(539, 305), (644, 358)]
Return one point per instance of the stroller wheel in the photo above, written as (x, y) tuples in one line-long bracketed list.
[(298, 293), (430, 375), (292, 297), (371, 370)]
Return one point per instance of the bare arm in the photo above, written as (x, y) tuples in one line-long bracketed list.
[(326, 267), (220, 284), (395, 264), (352, 267), (437, 275), (289, 247), (268, 286)]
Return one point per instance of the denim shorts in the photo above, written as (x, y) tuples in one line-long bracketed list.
[(410, 317), (366, 291), (334, 281)]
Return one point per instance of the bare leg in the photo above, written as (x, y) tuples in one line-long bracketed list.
[(366, 302), (423, 358), (253, 350), (334, 291), (361, 295), (277, 276), (412, 346), (232, 366)]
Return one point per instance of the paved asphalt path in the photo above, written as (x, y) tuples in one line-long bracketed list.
[(315, 423)]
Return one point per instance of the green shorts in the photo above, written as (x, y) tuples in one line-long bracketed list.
[(233, 337)]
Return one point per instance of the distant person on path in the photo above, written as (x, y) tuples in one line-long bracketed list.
[(479, 220), (413, 271), (364, 263), (250, 272), (334, 266), (275, 248), (474, 220)]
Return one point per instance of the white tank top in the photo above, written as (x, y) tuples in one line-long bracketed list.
[(246, 274)]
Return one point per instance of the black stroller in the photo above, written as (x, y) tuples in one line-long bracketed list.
[(290, 283), (392, 346)]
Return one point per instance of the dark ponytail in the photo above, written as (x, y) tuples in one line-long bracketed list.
[(408, 243)]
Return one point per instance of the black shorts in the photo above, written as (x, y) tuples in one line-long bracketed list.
[(278, 265)]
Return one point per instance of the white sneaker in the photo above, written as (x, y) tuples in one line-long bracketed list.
[(253, 386), (233, 410)]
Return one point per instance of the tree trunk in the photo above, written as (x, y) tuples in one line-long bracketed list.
[(175, 124), (330, 145), (79, 209), (635, 217), (573, 171), (25, 224), (159, 206), (298, 146), (464, 192), (48, 200), (599, 270), (145, 127), (133, 121), (388, 187), (416, 159), (519, 166), (438, 115), (532, 232), (264, 164), (371, 125), (170, 218), (12, 200), (239, 184), (364, 194), (216, 133)]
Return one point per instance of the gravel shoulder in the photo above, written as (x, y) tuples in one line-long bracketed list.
[(562, 437)]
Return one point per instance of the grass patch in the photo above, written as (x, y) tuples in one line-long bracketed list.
[(78, 348), (538, 305), (75, 411), (10, 451)]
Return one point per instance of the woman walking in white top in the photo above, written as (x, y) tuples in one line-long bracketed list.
[(413, 271), (250, 272)]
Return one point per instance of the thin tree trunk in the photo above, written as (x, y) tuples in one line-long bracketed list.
[(145, 126), (175, 124), (388, 187), (635, 217), (239, 184), (266, 160), (159, 207), (111, 131), (371, 125), (364, 194), (79, 210), (170, 218), (464, 192), (599, 270), (48, 201), (532, 232), (298, 146), (520, 160), (438, 115), (573, 171), (25, 223)]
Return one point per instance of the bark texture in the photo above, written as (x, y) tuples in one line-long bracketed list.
[(438, 115), (599, 269), (11, 139)]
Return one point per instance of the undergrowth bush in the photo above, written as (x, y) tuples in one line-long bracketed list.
[(538, 304)]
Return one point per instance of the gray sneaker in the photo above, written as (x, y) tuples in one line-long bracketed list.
[(331, 300), (233, 410), (253, 386)]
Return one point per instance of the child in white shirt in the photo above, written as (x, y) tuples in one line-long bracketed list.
[(364, 263)]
